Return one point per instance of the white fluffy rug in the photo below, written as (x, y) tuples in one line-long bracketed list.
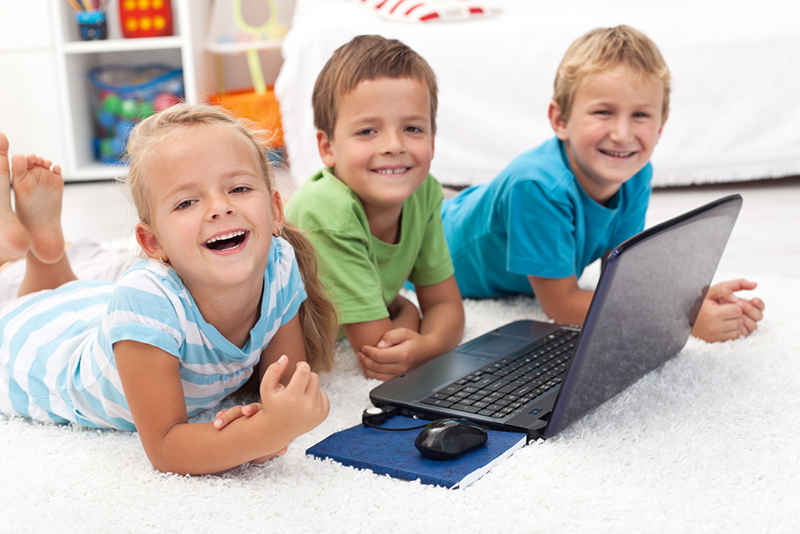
[(709, 442)]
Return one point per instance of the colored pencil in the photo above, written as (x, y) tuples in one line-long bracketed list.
[(75, 5)]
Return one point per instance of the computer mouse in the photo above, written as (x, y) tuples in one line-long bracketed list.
[(445, 439)]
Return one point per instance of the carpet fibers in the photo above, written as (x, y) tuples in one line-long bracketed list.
[(706, 443)]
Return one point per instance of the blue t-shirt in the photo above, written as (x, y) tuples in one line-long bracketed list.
[(57, 346), (535, 219)]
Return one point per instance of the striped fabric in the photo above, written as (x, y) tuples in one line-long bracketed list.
[(56, 357)]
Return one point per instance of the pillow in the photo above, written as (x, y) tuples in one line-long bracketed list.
[(430, 10)]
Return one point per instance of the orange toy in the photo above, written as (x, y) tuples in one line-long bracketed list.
[(262, 109), (145, 18)]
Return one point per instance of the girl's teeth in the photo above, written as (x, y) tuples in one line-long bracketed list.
[(392, 171), (226, 236)]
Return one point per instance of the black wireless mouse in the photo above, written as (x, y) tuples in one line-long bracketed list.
[(445, 439)]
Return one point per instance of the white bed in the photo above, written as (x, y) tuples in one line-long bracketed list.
[(736, 86)]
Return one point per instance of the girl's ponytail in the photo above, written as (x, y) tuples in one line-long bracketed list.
[(317, 314)]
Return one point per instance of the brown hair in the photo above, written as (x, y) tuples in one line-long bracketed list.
[(367, 57), (317, 314), (604, 49)]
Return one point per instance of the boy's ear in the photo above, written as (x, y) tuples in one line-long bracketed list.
[(149, 243), (557, 121), (325, 147), (663, 122)]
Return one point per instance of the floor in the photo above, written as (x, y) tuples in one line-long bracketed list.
[(766, 239)]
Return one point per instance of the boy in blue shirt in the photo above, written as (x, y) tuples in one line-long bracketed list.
[(559, 207), (373, 212)]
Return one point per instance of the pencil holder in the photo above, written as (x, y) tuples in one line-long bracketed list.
[(92, 25)]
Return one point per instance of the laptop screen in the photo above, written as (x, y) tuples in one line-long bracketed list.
[(645, 306)]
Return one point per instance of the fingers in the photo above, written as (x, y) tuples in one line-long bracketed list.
[(752, 310), (394, 337), (721, 292), (386, 355), (272, 375), (4, 168), (718, 322), (299, 382), (748, 326), (741, 285), (384, 363), (224, 417), (731, 286)]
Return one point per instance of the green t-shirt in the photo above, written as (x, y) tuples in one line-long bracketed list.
[(361, 273)]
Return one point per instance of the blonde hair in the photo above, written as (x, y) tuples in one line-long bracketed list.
[(317, 314), (367, 57), (604, 49)]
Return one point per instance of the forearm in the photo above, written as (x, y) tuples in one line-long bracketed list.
[(404, 314), (200, 448), (441, 327), (571, 309), (562, 299)]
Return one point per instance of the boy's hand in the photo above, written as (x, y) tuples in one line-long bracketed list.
[(297, 407), (725, 316), (395, 353)]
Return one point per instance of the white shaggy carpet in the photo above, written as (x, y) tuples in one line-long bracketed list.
[(710, 442)]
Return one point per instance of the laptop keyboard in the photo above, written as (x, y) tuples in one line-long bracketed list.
[(502, 387)]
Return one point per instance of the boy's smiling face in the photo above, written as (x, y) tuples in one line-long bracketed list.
[(382, 143), (615, 123)]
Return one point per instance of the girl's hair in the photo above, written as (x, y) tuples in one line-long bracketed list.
[(604, 49), (317, 314), (367, 57)]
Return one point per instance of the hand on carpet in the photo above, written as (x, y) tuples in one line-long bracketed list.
[(725, 316)]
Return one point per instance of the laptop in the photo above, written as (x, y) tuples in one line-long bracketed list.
[(539, 378)]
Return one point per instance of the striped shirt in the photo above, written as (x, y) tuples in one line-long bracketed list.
[(56, 346)]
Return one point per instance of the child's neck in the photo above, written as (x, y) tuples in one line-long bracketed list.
[(232, 311), (385, 224)]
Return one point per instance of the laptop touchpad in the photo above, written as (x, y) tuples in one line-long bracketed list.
[(496, 346)]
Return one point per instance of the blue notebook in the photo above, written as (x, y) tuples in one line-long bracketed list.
[(394, 454)]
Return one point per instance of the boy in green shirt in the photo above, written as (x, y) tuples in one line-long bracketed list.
[(373, 213)]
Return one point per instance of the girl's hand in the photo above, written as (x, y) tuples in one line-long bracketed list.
[(297, 407), (224, 416)]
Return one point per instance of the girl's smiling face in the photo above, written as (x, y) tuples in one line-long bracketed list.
[(213, 213)]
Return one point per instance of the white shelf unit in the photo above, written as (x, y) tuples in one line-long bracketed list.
[(74, 58)]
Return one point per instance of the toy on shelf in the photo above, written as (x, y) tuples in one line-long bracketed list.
[(261, 109), (123, 95), (239, 27), (145, 18)]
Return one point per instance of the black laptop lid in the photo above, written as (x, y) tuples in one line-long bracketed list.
[(644, 307)]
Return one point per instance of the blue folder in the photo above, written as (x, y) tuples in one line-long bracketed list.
[(394, 454)]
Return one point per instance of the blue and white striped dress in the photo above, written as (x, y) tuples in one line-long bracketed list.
[(56, 346)]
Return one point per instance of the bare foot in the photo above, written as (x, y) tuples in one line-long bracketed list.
[(37, 192), (13, 236)]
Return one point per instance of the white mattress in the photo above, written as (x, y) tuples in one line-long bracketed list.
[(735, 104)]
